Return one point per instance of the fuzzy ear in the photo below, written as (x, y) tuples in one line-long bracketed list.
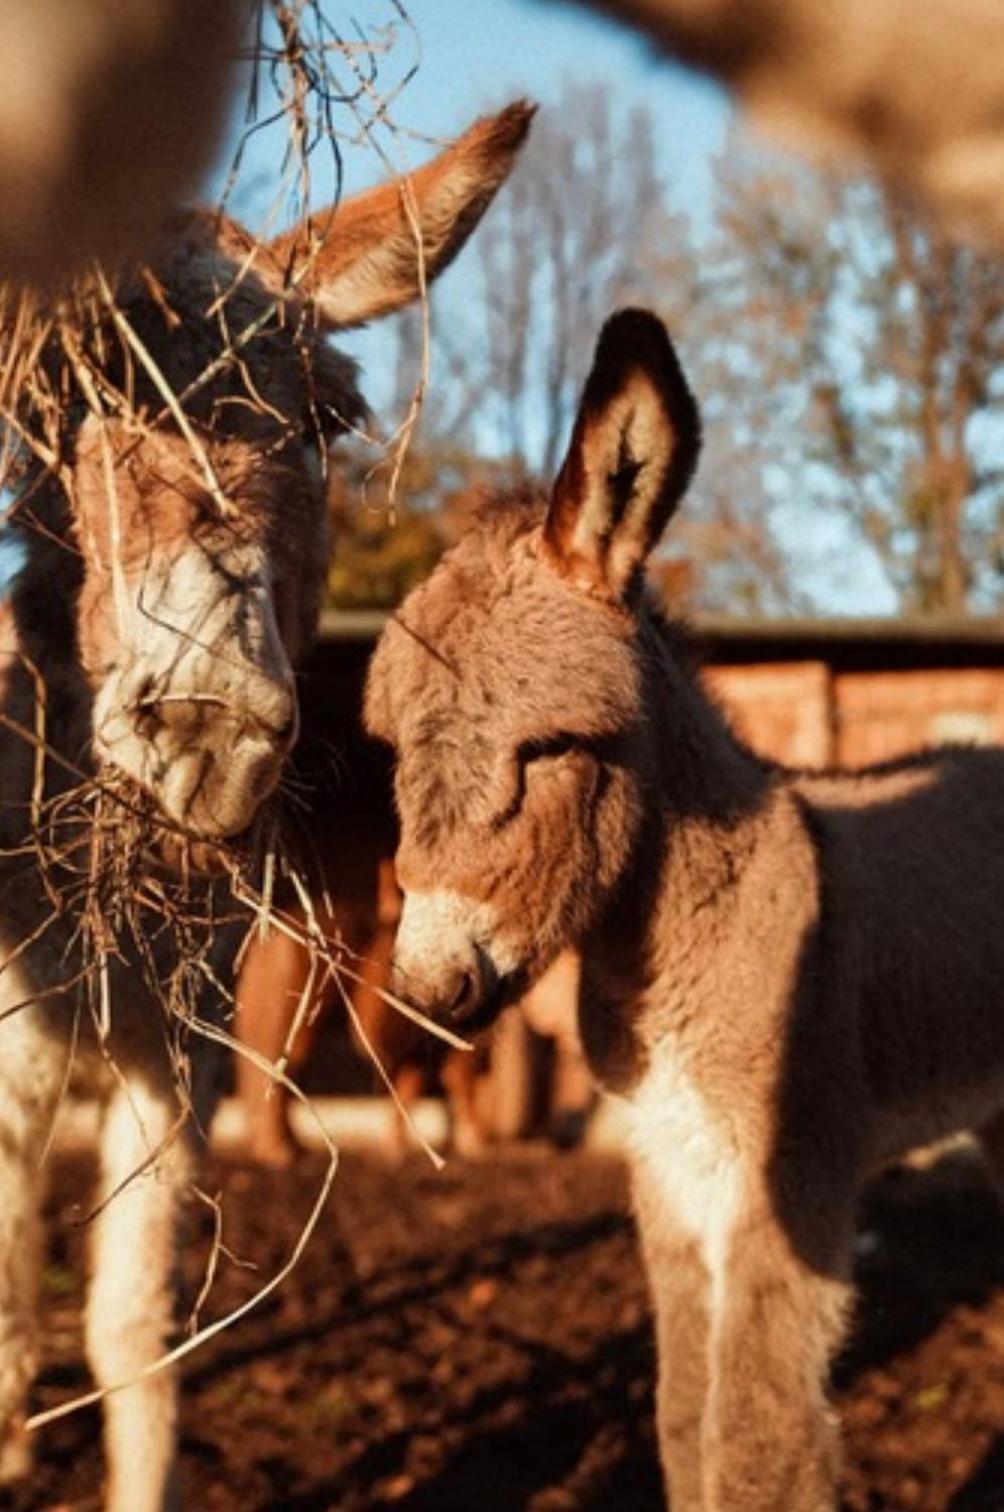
[(632, 453), (361, 258)]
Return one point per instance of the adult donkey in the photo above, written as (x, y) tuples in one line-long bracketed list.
[(787, 978), (175, 554)]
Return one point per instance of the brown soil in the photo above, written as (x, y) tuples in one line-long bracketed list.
[(477, 1341)]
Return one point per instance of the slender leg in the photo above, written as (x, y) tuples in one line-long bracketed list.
[(679, 1283), (394, 1039), (510, 1076), (460, 1077), (32, 1067), (770, 1439), (130, 1302), (409, 1083), (271, 983)]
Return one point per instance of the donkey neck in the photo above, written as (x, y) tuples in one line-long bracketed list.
[(703, 779), (712, 815)]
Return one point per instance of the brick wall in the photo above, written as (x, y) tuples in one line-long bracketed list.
[(782, 709), (803, 715), (883, 714)]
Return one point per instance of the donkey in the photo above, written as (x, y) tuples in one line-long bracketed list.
[(787, 979), (175, 555)]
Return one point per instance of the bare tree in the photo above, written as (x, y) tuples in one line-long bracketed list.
[(586, 227), (570, 245), (916, 90), (872, 349), (848, 356)]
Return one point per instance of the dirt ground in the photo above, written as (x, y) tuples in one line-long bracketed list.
[(477, 1341)]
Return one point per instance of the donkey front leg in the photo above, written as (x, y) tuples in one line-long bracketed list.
[(130, 1305), (679, 1284), (770, 1438), (32, 1068)]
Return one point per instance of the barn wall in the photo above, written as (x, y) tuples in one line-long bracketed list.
[(883, 714), (784, 710)]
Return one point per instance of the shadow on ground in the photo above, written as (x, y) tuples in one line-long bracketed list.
[(478, 1341)]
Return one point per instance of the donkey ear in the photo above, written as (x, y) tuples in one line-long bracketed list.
[(632, 453), (362, 258)]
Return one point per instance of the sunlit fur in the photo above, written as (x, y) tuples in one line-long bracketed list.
[(787, 979)]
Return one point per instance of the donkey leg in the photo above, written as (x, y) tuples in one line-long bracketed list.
[(20, 1255), (271, 984), (460, 1078), (130, 1305), (679, 1284), (31, 1071), (770, 1439)]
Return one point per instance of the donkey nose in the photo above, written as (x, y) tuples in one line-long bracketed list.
[(287, 732), (277, 733), (463, 996), (272, 703), (475, 994), (445, 995)]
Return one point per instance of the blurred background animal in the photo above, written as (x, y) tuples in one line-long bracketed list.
[(109, 115)]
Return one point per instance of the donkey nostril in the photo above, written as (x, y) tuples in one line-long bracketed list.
[(144, 706), (464, 998), (149, 719)]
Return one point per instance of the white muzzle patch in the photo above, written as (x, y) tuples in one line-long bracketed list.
[(443, 925)]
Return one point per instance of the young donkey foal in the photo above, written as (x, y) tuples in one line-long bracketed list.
[(172, 577), (788, 979)]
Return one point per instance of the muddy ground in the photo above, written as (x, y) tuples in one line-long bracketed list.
[(477, 1341)]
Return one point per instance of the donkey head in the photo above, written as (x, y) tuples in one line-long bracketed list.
[(195, 491), (511, 685)]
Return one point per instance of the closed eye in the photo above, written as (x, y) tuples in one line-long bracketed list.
[(528, 754), (550, 747)]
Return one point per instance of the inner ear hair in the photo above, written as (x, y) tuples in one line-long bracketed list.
[(632, 454), (376, 252), (624, 478)]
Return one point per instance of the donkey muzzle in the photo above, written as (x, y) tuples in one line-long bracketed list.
[(208, 763), (464, 997), (447, 962), (215, 778)]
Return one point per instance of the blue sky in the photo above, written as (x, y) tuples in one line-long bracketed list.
[(474, 55)]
